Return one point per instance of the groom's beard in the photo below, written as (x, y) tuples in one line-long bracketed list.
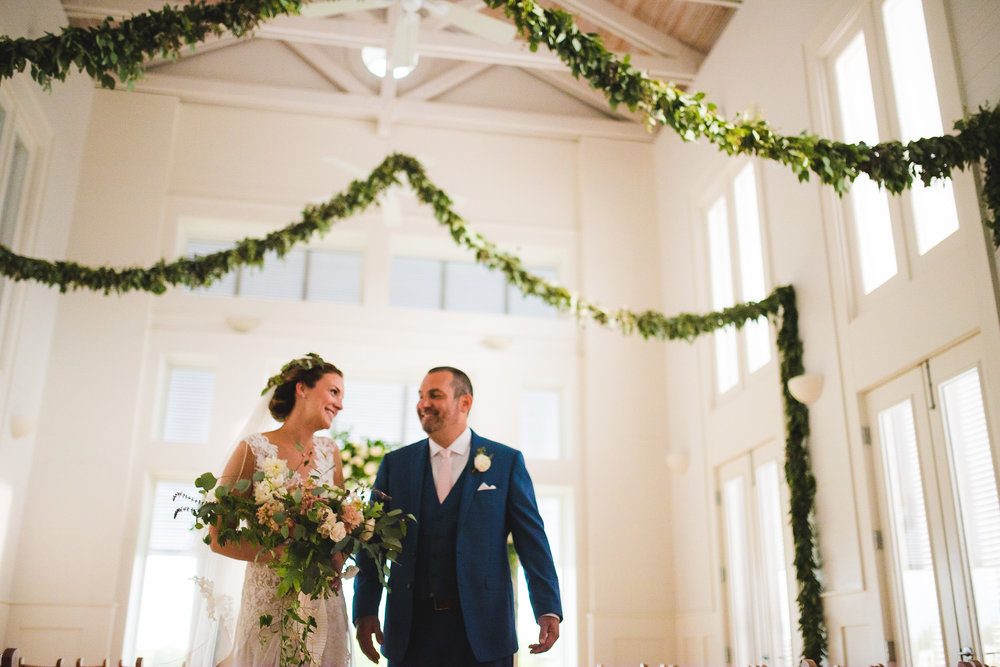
[(430, 420)]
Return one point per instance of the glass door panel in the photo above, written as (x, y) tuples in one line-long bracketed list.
[(975, 490), (776, 610), (920, 613), (738, 571), (940, 511)]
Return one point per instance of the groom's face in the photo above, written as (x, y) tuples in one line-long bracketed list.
[(438, 409)]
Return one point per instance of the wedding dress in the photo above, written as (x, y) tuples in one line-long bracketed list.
[(330, 641)]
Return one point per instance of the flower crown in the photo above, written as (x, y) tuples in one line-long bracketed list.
[(311, 360)]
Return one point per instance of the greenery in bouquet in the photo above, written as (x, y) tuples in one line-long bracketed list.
[(360, 457), (300, 525)]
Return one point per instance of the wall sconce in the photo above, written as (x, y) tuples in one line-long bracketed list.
[(20, 426), (242, 323), (678, 461), (806, 388)]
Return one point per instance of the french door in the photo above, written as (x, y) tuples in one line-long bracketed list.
[(753, 503), (935, 461)]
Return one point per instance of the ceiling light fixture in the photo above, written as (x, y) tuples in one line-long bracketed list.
[(375, 59)]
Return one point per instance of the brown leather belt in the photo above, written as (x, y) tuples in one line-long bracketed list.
[(443, 604)]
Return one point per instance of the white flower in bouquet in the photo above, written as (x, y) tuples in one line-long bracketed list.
[(338, 532), (362, 450), (371, 468), (369, 530), (375, 450), (274, 468), (263, 491), (348, 470), (357, 461), (482, 462)]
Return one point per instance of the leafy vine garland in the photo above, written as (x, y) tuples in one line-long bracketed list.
[(359, 195), (120, 48)]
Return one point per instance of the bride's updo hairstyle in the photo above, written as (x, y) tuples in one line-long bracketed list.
[(308, 370)]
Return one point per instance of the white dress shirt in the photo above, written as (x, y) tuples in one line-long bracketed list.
[(459, 455)]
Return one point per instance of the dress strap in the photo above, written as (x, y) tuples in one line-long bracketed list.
[(261, 446)]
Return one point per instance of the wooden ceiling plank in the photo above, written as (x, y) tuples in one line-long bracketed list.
[(329, 69), (445, 82), (735, 4), (634, 31)]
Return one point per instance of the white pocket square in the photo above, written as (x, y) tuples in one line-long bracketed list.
[(486, 487)]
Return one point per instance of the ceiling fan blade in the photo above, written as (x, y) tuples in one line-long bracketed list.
[(334, 7), (404, 43), (471, 21)]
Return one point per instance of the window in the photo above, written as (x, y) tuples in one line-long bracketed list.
[(735, 215), (940, 510), (928, 214), (310, 275), (756, 573), (556, 509), (385, 411), (17, 159), (188, 411), (540, 417), (168, 598), (462, 286)]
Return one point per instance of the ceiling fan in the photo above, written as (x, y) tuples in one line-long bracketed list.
[(404, 46)]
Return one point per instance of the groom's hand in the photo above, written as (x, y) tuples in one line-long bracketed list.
[(548, 633), (368, 626)]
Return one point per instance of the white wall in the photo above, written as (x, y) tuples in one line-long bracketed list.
[(155, 165), (58, 119), (763, 64)]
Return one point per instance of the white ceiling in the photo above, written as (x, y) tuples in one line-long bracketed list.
[(313, 65)]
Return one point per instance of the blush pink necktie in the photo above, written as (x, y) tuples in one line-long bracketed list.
[(444, 475)]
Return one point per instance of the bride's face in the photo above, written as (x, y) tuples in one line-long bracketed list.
[(323, 401)]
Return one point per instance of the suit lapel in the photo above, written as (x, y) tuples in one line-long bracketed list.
[(417, 478), (471, 483)]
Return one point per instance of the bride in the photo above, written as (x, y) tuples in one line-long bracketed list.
[(305, 397)]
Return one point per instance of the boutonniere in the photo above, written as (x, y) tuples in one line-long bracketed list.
[(483, 461)]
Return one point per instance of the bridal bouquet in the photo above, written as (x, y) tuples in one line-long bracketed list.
[(301, 525)]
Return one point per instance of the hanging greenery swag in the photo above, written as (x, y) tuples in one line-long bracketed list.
[(116, 50), (119, 49), (317, 220)]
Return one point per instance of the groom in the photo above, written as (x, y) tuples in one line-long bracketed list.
[(450, 601)]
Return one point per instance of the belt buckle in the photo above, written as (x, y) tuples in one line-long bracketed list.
[(441, 605)]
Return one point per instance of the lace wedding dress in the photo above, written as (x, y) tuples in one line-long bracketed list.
[(330, 642)]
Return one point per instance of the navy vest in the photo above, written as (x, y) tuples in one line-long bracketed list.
[(437, 569)]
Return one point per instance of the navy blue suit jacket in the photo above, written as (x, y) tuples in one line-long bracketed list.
[(486, 517)]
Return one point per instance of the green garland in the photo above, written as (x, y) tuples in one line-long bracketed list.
[(318, 219), (122, 48), (801, 483)]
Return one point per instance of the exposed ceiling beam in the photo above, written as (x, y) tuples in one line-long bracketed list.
[(585, 94), (431, 23), (368, 107), (328, 68), (387, 93), (440, 84), (357, 34), (635, 32)]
